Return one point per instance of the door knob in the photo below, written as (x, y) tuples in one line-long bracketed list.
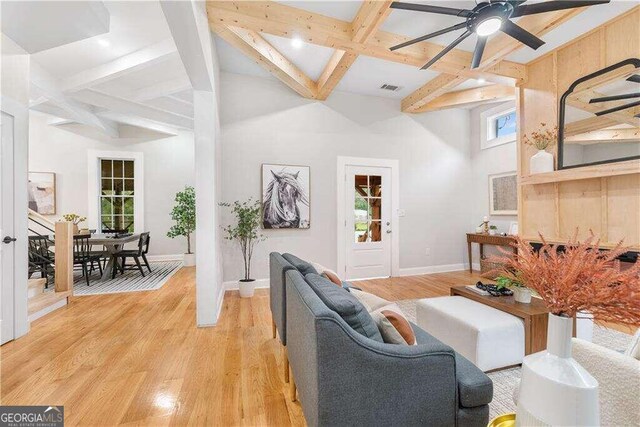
[(8, 239)]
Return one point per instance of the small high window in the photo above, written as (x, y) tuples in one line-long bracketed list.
[(505, 125)]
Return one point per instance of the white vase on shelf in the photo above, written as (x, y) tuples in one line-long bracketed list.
[(555, 390), (541, 162)]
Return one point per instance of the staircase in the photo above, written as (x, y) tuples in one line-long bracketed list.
[(41, 301)]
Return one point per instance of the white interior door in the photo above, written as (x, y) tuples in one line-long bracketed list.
[(7, 246), (368, 222)]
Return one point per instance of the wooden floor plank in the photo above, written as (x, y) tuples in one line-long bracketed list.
[(138, 359)]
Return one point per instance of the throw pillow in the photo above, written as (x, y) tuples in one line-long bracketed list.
[(302, 266), (393, 325), (634, 347), (327, 273), (346, 305), (370, 301)]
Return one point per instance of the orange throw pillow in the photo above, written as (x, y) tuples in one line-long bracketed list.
[(393, 326)]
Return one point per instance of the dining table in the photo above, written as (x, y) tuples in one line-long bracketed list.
[(112, 244)]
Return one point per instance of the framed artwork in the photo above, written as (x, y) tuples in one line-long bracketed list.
[(503, 194), (42, 192), (285, 196), (513, 228)]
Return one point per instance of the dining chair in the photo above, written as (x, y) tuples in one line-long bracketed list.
[(85, 257), (136, 254), (40, 257)]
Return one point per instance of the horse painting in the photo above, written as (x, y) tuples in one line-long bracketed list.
[(286, 200)]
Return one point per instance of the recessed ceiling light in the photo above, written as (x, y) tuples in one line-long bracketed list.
[(104, 42), (489, 26), (296, 42), (481, 80)]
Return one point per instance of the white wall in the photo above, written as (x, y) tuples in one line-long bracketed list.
[(168, 167), (499, 159), (265, 122)]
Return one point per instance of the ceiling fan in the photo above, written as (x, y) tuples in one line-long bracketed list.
[(487, 18)]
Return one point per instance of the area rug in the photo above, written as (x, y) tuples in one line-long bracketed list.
[(505, 381), (130, 281)]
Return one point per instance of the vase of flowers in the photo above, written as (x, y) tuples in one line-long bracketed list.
[(542, 161), (245, 232), (75, 219), (555, 389)]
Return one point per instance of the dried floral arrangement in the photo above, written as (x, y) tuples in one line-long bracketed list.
[(542, 138), (74, 218), (580, 278)]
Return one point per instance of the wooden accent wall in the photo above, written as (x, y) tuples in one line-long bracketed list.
[(608, 204)]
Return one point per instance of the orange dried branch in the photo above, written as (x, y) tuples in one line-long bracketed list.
[(580, 278)]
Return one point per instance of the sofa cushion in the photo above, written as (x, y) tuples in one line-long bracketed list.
[(303, 267), (393, 325), (370, 301), (346, 305)]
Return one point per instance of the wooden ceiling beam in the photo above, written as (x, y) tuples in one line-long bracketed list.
[(433, 89), (268, 57), (286, 21), (366, 23), (588, 125), (466, 97), (497, 49), (605, 136)]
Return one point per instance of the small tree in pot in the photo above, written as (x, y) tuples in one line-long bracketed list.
[(245, 232), (184, 214)]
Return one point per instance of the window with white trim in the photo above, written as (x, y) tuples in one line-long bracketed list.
[(498, 126), (117, 195)]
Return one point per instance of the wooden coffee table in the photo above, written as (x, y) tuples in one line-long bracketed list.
[(535, 316)]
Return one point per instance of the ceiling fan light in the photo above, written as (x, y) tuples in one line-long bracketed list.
[(488, 26)]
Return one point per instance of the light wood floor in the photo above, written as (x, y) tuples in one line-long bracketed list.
[(138, 359)]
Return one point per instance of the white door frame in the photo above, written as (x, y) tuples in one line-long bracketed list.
[(394, 165), (20, 115)]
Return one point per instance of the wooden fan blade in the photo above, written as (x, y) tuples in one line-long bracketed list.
[(550, 6), (444, 51), (478, 51), (431, 9), (428, 36), (521, 34)]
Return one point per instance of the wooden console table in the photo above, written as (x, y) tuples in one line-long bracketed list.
[(487, 239), (534, 315)]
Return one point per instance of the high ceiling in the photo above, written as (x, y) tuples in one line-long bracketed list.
[(108, 85), (367, 73)]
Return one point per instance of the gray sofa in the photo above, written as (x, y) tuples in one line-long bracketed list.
[(345, 378)]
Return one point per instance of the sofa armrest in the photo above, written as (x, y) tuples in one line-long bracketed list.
[(475, 388)]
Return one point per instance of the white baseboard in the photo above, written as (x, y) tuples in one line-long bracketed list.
[(416, 271), (170, 257), (233, 284), (38, 314)]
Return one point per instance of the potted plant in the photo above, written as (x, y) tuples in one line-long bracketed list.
[(542, 161), (184, 214), (245, 233), (75, 219), (575, 279), (493, 230), (520, 292)]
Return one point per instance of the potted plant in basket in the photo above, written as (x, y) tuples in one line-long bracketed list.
[(184, 214), (245, 232), (75, 219), (574, 281), (520, 292), (542, 161), (493, 230)]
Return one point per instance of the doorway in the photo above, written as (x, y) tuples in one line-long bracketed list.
[(7, 231), (367, 221)]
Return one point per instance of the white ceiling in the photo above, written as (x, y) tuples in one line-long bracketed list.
[(128, 78), (367, 74)]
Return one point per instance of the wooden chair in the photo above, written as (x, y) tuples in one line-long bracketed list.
[(136, 254), (84, 257), (40, 257)]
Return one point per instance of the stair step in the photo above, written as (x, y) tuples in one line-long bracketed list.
[(42, 301), (35, 287)]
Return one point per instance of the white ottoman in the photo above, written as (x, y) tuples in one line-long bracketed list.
[(489, 338)]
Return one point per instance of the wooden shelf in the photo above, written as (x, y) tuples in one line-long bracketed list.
[(597, 171)]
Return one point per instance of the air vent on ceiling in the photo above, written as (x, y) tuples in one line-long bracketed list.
[(392, 88)]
